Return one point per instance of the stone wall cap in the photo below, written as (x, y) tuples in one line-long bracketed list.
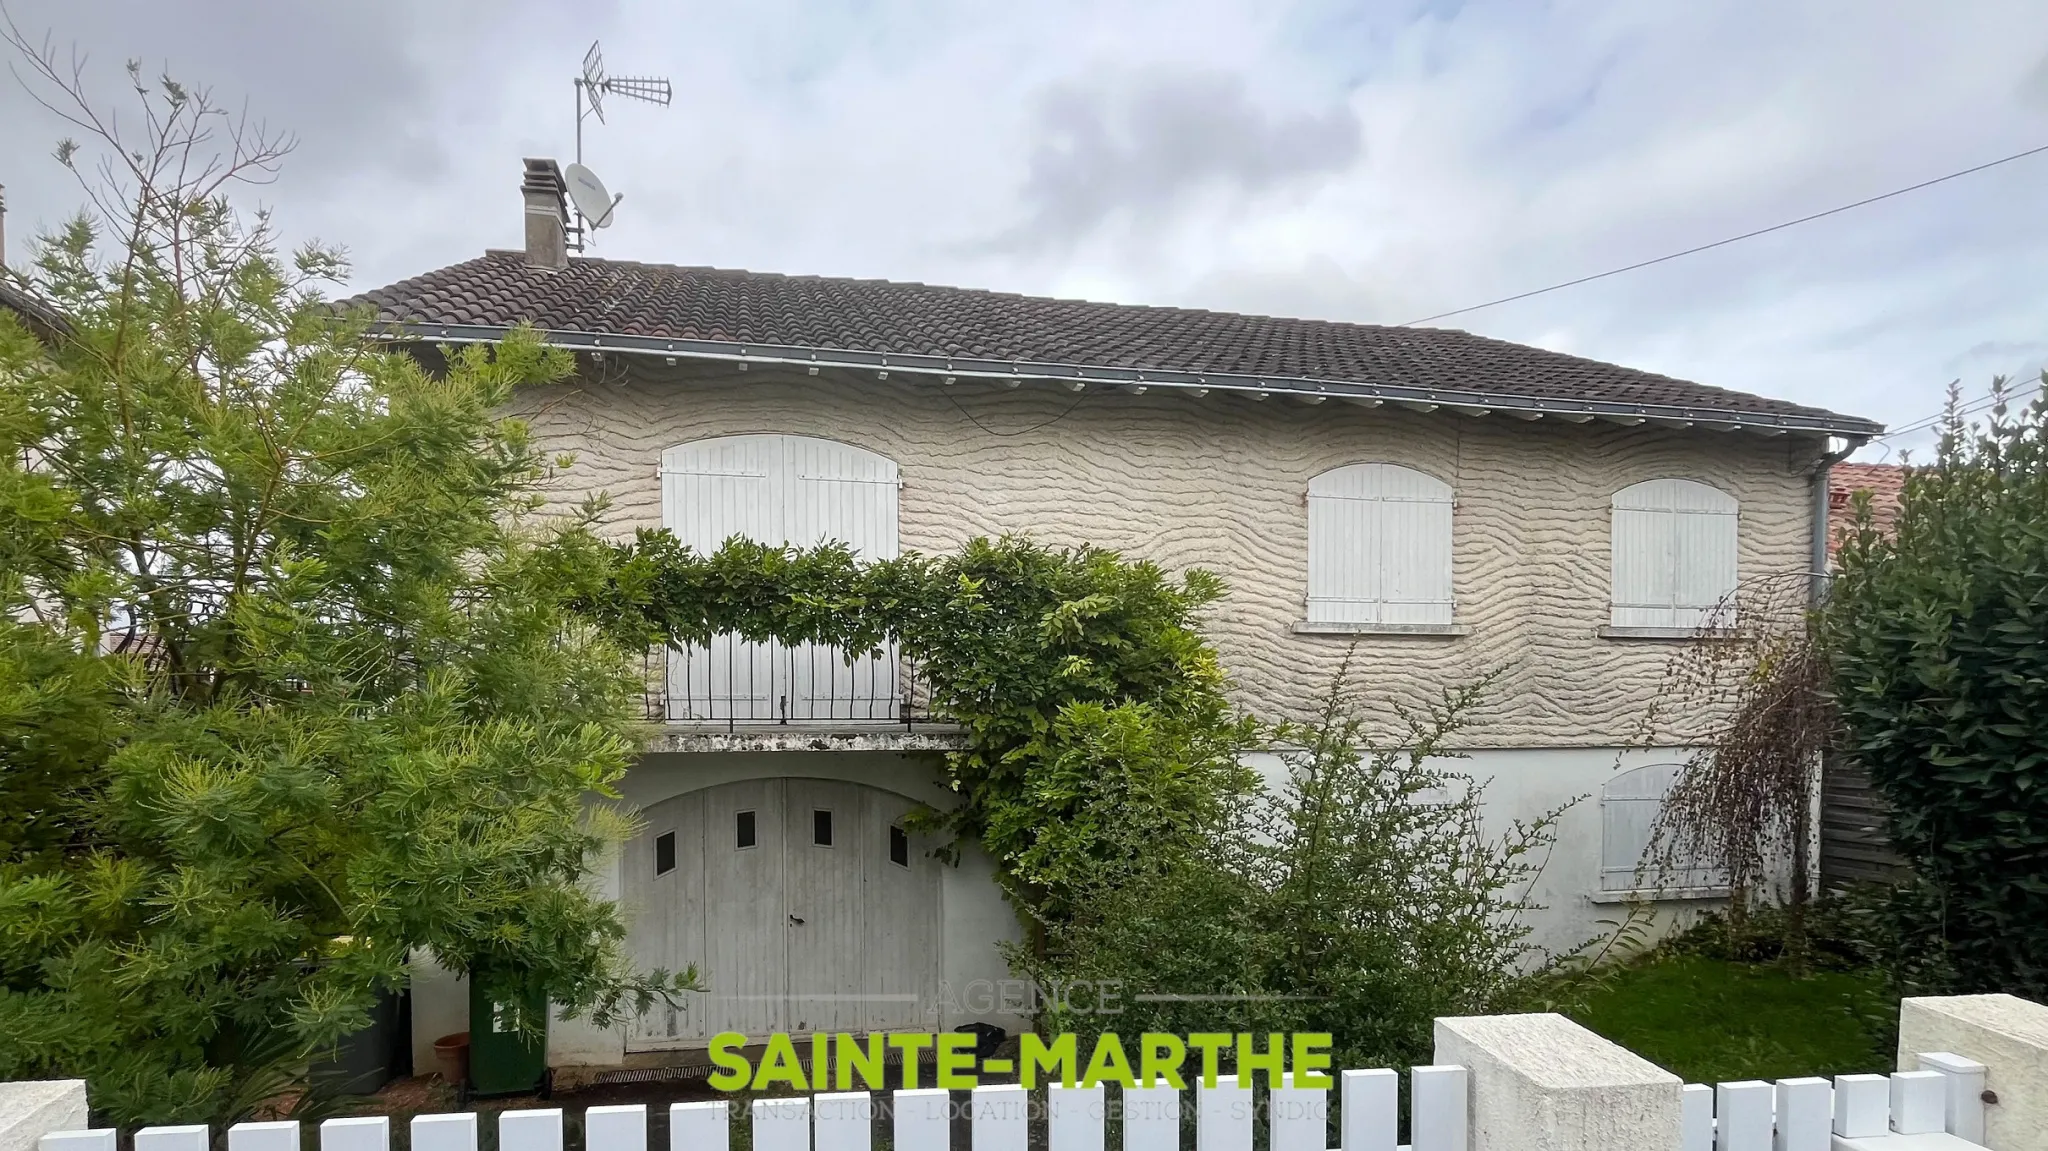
[(2020, 1019), (1552, 1051)]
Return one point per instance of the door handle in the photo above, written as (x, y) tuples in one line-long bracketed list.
[(797, 919)]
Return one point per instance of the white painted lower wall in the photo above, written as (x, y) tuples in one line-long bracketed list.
[(1522, 783)]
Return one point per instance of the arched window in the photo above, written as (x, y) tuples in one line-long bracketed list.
[(1629, 805), (1674, 555), (1379, 546), (779, 489)]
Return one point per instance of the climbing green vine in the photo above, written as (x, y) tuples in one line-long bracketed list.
[(1097, 734)]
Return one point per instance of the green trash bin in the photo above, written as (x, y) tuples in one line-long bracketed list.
[(504, 1059)]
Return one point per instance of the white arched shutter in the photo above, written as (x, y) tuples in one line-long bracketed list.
[(1629, 806), (712, 490), (779, 489), (1379, 546), (1673, 555), (839, 492)]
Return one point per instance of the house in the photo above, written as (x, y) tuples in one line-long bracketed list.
[(1449, 504), (1885, 484), (1854, 847)]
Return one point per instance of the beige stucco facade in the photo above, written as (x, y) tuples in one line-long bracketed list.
[(1220, 482)]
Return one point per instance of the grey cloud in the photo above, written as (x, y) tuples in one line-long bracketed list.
[(1098, 151)]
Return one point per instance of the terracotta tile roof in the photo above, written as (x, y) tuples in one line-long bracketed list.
[(1886, 484), (664, 302)]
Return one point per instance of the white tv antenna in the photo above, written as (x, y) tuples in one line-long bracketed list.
[(593, 204)]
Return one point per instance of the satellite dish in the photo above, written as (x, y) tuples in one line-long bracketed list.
[(589, 195)]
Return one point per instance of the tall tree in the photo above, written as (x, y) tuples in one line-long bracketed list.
[(1941, 677), (288, 687)]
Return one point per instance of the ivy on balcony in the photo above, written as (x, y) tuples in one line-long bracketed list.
[(1096, 729)]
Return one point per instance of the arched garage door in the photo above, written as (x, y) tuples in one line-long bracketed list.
[(804, 903)]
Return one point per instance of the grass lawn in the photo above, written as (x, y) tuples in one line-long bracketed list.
[(1713, 1020)]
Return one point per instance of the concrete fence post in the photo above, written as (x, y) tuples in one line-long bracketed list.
[(1544, 1083), (32, 1109), (2005, 1033)]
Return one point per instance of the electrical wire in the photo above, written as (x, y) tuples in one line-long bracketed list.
[(1733, 239), (1042, 424), (1926, 423)]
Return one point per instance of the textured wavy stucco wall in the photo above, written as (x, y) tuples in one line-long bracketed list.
[(1220, 482)]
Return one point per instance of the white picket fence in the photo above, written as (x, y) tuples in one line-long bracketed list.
[(1853, 1113)]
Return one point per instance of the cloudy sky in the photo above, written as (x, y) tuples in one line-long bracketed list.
[(1365, 161)]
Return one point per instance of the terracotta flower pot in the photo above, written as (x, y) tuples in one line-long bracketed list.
[(451, 1058)]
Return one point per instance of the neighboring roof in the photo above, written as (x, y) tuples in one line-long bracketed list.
[(813, 320), (42, 319), (1886, 484)]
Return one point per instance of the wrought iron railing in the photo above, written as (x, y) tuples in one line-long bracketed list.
[(733, 684)]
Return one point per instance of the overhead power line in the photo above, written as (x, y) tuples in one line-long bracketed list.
[(1734, 239), (1972, 407)]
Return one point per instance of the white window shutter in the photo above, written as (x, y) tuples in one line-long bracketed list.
[(839, 492), (780, 489), (1629, 805), (712, 490), (1674, 554), (1379, 546)]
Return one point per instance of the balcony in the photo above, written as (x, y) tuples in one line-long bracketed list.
[(735, 695)]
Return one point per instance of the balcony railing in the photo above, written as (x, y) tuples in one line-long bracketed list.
[(734, 685)]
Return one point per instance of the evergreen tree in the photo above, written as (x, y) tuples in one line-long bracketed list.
[(288, 688)]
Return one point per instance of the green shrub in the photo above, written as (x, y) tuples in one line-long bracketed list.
[(1939, 635), (1363, 898)]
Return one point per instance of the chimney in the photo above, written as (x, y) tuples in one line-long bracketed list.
[(547, 215)]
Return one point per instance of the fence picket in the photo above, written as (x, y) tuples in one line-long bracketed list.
[(1078, 1119), (622, 1127), (922, 1120), (1742, 1112), (1371, 1105), (1963, 1113), (282, 1135), (456, 1132), (1696, 1119), (1151, 1118), (1075, 1118), (1001, 1118), (538, 1129), (1863, 1106), (1437, 1108), (1919, 1102), (782, 1124), (1297, 1118), (842, 1121), (1223, 1115), (356, 1133), (1803, 1107), (185, 1137), (699, 1126), (96, 1139)]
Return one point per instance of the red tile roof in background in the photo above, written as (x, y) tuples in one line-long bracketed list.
[(1886, 483)]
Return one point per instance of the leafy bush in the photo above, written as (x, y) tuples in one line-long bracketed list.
[(289, 687), (1941, 678), (1363, 898), (1096, 727)]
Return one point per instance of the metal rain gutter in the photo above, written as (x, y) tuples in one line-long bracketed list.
[(1074, 376)]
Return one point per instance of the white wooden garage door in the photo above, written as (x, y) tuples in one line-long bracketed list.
[(778, 489), (804, 904)]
